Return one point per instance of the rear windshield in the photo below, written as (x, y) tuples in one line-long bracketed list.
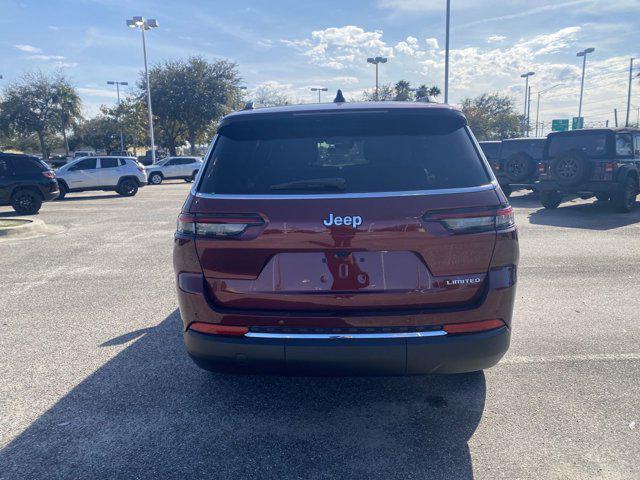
[(346, 153), (532, 148), (593, 145), (29, 165)]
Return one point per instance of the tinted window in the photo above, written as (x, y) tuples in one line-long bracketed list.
[(343, 154), (593, 145), (5, 167), (108, 162), (532, 148), (86, 164), (624, 145), (26, 166), (490, 150)]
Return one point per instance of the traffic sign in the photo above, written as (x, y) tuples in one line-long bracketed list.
[(560, 125), (577, 123)]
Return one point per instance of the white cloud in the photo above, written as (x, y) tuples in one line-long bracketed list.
[(265, 43), (28, 48), (496, 38), (345, 80), (45, 58), (432, 43), (97, 92)]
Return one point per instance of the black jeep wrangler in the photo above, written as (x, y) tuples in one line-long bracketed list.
[(602, 163), (515, 162)]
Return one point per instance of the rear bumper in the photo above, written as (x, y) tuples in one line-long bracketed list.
[(350, 356)]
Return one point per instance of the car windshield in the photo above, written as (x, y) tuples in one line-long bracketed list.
[(346, 153), (591, 144)]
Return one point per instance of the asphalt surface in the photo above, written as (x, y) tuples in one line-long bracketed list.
[(94, 382)]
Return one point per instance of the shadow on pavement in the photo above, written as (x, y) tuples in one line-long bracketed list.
[(150, 413), (86, 197), (591, 216)]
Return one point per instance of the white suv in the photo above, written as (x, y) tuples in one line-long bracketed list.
[(122, 174), (174, 167)]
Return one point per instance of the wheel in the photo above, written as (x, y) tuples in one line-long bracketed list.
[(602, 197), (26, 202), (63, 191), (507, 190), (625, 199), (155, 179), (519, 167), (571, 168), (550, 199), (128, 188)]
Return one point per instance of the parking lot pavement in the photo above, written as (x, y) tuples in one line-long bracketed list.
[(94, 382)]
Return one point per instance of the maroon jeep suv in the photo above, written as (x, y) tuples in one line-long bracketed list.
[(348, 238)]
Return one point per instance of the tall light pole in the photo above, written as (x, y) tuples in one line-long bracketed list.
[(146, 24), (626, 123), (583, 54), (538, 104), (319, 89), (117, 84), (376, 61), (526, 95), (446, 54)]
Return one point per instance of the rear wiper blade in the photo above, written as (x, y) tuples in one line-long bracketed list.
[(313, 184)]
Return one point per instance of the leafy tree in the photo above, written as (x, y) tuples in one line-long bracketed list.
[(492, 116), (403, 91), (270, 96), (188, 96), (385, 93), (39, 104), (101, 132)]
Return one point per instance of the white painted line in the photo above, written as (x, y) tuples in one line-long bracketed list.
[(596, 357)]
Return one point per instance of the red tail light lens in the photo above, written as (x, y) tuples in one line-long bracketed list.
[(609, 167), (496, 166), (48, 174), (542, 168), (140, 169), (471, 327), (217, 225), (474, 221), (214, 329)]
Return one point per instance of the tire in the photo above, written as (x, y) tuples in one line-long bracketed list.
[(625, 199), (63, 191), (26, 202), (507, 190), (155, 179), (550, 199), (519, 167), (571, 168), (602, 197), (127, 187)]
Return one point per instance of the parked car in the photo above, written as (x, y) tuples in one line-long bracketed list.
[(515, 162), (603, 162), (398, 259), (185, 168), (83, 153), (26, 182), (122, 174), (57, 161)]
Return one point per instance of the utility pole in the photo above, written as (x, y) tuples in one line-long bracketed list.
[(626, 123), (529, 112), (615, 116), (538, 103), (526, 93), (446, 55), (117, 84)]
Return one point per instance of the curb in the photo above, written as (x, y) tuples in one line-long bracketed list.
[(27, 227)]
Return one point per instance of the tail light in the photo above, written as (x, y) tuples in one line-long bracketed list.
[(609, 167), (140, 168), (473, 327), (215, 329), (496, 166), (216, 225), (542, 168), (474, 221), (48, 174)]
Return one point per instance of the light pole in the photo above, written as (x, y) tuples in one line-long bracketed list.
[(626, 123), (446, 55), (117, 84), (583, 54), (319, 89), (538, 103), (146, 24), (526, 95), (376, 61)]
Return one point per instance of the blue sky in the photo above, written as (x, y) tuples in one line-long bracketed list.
[(294, 45)]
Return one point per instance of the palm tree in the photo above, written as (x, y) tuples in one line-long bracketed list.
[(403, 91), (434, 91)]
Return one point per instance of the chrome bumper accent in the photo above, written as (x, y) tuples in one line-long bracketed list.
[(336, 336)]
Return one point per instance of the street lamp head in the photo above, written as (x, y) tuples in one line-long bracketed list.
[(152, 23), (324, 89), (381, 59), (528, 74), (131, 24), (138, 21), (124, 83), (371, 60), (109, 82), (584, 52)]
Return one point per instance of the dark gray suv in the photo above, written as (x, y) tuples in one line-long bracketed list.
[(602, 163)]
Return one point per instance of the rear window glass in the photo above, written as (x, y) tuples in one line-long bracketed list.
[(108, 162), (593, 145), (532, 148), (28, 165), (343, 154)]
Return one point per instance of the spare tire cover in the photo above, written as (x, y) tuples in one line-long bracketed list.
[(571, 168)]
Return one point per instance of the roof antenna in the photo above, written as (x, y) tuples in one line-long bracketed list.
[(339, 97)]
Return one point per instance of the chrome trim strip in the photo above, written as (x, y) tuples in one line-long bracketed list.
[(443, 191), (341, 336)]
